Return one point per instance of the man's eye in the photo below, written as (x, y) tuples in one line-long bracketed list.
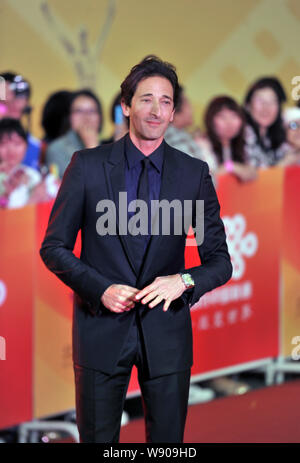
[(146, 99), (167, 102)]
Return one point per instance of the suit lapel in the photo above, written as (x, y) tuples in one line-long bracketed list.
[(115, 177)]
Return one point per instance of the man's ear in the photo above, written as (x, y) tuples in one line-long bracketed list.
[(125, 108), (172, 115)]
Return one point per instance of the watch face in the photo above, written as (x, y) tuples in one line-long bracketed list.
[(187, 279)]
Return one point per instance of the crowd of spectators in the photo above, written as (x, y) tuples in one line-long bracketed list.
[(235, 139)]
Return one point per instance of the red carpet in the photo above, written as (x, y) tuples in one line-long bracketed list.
[(267, 415)]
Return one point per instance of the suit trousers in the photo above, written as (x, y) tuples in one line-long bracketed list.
[(100, 397)]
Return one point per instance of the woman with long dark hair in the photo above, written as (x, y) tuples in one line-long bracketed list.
[(224, 140), (85, 122), (265, 134)]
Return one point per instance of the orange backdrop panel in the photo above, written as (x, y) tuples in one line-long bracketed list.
[(17, 248), (53, 371), (238, 322)]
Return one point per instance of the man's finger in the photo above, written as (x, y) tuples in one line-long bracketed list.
[(128, 291), (129, 307), (115, 309), (125, 300), (166, 305), (149, 297), (144, 291), (119, 305), (156, 301)]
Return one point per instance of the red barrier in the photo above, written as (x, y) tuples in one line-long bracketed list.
[(290, 265)]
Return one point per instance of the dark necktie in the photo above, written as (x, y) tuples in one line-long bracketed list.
[(143, 186), (140, 241)]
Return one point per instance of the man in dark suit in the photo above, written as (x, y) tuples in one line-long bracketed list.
[(132, 292)]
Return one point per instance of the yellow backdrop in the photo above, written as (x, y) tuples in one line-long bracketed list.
[(218, 46)]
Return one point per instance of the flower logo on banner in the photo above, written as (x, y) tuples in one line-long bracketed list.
[(241, 244), (2, 292)]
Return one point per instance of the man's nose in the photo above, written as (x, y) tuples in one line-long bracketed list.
[(155, 109)]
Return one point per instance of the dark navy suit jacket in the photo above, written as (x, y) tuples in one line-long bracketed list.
[(99, 334)]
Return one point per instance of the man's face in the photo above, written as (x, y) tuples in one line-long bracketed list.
[(152, 108), (12, 150)]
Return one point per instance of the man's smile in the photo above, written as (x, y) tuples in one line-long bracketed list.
[(154, 123)]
